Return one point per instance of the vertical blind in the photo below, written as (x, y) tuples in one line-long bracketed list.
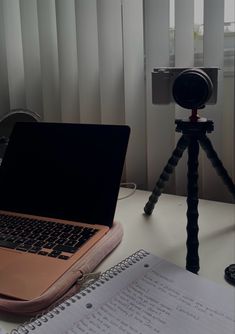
[(90, 61)]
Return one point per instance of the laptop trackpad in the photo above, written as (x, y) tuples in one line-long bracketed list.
[(26, 276)]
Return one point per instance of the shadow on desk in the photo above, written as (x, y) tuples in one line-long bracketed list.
[(213, 259)]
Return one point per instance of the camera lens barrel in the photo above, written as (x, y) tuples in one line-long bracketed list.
[(192, 88)]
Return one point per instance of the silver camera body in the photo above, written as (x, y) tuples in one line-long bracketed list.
[(163, 79)]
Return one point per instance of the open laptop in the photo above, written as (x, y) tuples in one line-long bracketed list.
[(59, 185)]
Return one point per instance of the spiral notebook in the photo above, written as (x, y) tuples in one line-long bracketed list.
[(142, 294)]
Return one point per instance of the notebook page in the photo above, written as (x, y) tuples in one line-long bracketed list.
[(151, 297), (165, 300), (76, 311)]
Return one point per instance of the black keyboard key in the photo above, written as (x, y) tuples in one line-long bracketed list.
[(66, 249), (80, 243), (39, 244), (74, 237), (20, 240), (49, 245), (23, 235), (61, 241), (68, 228), (54, 253), (34, 250), (8, 244), (70, 243), (43, 253), (51, 239), (11, 239), (63, 257), (29, 242), (65, 235), (23, 248), (16, 233), (55, 234)]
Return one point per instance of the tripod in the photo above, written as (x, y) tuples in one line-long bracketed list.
[(193, 133)]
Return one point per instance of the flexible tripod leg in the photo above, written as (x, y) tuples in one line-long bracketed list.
[(216, 163), (192, 243), (167, 171)]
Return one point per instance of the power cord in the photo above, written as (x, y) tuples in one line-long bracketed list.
[(130, 185)]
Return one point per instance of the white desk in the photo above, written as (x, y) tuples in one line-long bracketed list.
[(164, 234)]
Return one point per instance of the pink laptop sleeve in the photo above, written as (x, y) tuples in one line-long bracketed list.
[(70, 282)]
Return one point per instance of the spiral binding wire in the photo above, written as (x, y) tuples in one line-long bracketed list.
[(106, 276)]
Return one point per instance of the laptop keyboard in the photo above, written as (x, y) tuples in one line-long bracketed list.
[(45, 238)]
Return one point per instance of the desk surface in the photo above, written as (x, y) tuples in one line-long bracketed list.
[(164, 234)]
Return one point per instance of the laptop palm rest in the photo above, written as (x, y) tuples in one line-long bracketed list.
[(16, 267)]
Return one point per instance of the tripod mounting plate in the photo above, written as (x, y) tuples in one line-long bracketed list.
[(188, 127)]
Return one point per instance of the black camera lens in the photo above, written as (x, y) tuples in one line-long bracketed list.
[(192, 88)]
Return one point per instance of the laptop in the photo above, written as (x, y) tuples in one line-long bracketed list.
[(59, 185)]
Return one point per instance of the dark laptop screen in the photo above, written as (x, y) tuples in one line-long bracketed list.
[(68, 171)]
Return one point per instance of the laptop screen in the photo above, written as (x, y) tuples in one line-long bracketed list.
[(66, 171)]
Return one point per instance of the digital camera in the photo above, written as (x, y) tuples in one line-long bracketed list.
[(191, 88)]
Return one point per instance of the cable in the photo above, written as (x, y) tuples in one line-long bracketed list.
[(129, 185)]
